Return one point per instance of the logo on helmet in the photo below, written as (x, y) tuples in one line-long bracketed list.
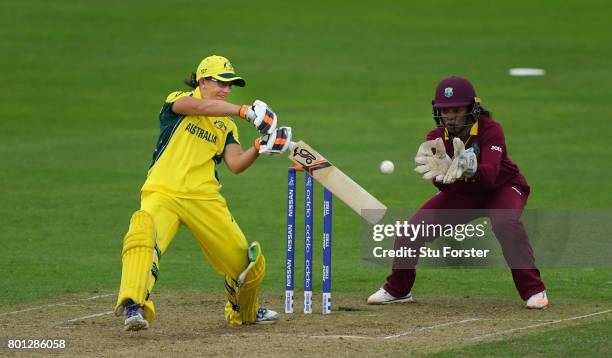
[(448, 92)]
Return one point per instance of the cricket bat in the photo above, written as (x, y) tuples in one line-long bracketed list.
[(343, 187)]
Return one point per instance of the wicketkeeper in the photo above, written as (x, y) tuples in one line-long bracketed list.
[(480, 179), (183, 188)]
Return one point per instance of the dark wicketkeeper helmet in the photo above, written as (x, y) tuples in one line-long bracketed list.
[(455, 92)]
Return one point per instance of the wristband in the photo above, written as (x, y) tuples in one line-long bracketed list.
[(243, 111), (257, 144)]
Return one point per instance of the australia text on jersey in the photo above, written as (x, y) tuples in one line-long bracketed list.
[(201, 133)]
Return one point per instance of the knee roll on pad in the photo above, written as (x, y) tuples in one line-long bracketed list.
[(141, 232), (140, 257)]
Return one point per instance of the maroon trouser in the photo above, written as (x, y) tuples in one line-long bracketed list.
[(506, 224)]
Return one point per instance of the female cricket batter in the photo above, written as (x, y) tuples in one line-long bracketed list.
[(481, 177), (182, 188)]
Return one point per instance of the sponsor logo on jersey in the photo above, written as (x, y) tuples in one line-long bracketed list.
[(219, 124), (497, 148)]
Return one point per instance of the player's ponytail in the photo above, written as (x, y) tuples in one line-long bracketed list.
[(191, 81)]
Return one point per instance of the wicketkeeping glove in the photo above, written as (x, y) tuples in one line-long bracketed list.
[(429, 164), (275, 143), (464, 163), (260, 115)]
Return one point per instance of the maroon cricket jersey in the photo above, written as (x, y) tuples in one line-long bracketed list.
[(494, 170)]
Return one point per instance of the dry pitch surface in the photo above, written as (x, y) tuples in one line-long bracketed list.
[(193, 324)]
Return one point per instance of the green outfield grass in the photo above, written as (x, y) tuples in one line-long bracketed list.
[(83, 82), (587, 340)]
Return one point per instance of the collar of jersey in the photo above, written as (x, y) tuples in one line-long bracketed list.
[(196, 93), (473, 131)]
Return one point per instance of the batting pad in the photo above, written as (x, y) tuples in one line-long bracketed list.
[(140, 258), (243, 298)]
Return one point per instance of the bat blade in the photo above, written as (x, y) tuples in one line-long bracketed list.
[(340, 184)]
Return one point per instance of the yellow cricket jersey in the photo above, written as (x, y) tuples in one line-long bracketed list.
[(187, 152)]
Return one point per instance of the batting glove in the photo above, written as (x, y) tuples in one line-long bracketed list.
[(429, 164), (275, 143), (464, 163), (260, 115)]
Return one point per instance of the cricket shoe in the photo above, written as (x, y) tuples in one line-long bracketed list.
[(537, 301), (382, 297), (266, 316), (135, 317)]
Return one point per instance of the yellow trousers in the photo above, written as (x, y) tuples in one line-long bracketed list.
[(210, 222), (213, 227)]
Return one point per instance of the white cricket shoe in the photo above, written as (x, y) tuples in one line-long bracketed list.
[(266, 316), (537, 301), (135, 317), (382, 297)]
